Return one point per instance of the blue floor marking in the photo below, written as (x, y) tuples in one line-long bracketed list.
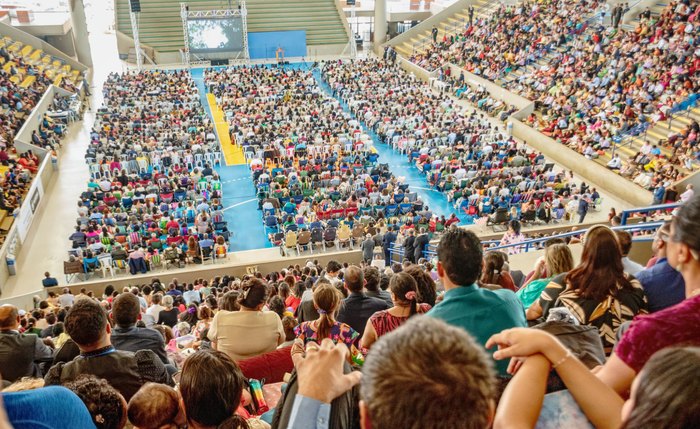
[(244, 221)]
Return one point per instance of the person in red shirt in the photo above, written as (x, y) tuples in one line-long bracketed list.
[(172, 223)]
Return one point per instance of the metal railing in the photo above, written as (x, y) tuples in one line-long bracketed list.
[(624, 216), (430, 252), (640, 130)]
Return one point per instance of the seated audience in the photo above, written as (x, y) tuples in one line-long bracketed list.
[(662, 283), (87, 325), (557, 260), (105, 404), (211, 386), (156, 406), (669, 327), (126, 336), (327, 300), (357, 308), (598, 292), (21, 354), (660, 397), (423, 355)]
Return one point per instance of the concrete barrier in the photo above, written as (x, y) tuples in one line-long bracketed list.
[(191, 273), (31, 204), (590, 171)]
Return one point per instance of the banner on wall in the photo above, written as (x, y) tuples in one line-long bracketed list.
[(28, 209)]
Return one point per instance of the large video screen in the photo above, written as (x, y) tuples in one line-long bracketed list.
[(215, 35)]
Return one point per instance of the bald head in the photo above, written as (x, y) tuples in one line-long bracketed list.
[(9, 317), (354, 278)]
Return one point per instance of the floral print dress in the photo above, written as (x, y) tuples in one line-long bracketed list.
[(340, 333)]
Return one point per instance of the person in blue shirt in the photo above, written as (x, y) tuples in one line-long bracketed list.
[(49, 281), (51, 407), (663, 285), (659, 193), (481, 312)]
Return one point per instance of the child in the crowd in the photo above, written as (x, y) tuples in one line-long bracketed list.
[(327, 301), (156, 406)]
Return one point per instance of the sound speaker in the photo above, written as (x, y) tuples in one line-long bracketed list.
[(135, 5), (219, 62)]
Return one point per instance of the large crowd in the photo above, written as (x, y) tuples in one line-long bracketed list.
[(599, 86), (22, 85), (315, 170), (613, 83), (512, 37), (464, 155), (590, 335), (154, 197)]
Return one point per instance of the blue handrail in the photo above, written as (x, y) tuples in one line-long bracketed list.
[(624, 216)]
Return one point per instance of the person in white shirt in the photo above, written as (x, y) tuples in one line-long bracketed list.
[(646, 148), (615, 163), (66, 299), (155, 307), (688, 194), (191, 295)]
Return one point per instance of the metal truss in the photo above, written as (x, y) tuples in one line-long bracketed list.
[(241, 12)]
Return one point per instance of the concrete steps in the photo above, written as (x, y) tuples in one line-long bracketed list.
[(421, 40)]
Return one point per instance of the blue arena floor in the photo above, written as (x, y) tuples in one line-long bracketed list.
[(239, 201)]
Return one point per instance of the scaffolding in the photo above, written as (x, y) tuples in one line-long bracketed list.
[(240, 11)]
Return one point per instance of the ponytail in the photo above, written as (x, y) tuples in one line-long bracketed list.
[(411, 297), (324, 325)]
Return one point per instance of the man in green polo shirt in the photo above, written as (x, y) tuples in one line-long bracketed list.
[(481, 312)]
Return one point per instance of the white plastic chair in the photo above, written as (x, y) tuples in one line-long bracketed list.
[(106, 265)]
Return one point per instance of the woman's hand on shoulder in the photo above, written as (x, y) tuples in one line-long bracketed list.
[(521, 342)]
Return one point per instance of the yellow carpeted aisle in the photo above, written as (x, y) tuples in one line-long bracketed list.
[(233, 153)]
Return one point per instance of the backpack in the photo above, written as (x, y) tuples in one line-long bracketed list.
[(345, 413)]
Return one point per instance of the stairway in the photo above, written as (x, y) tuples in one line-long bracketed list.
[(452, 24), (656, 133)]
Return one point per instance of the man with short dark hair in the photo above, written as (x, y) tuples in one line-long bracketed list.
[(332, 270), (191, 296), (481, 312), (48, 331), (127, 336), (372, 280), (49, 281), (419, 244), (86, 323), (20, 354), (358, 307), (423, 355), (624, 238)]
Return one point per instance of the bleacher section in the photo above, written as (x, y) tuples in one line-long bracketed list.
[(58, 72), (161, 25), (450, 24)]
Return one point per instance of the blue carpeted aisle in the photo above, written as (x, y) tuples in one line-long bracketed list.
[(239, 201), (400, 167)]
